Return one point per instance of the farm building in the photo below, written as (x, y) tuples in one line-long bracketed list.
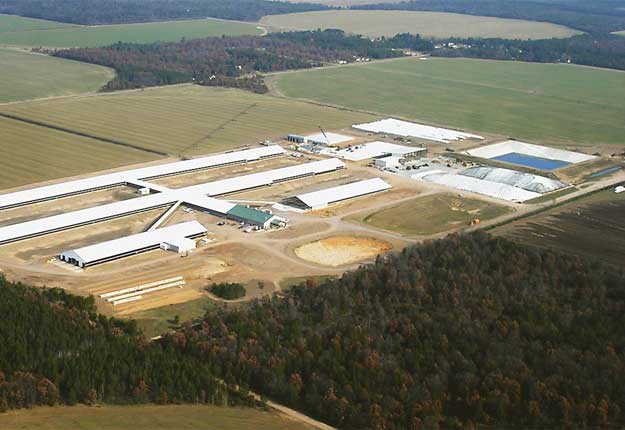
[(197, 196), (135, 177), (135, 244), (377, 150), (253, 217), (296, 138), (410, 129), (323, 198), (388, 162), (329, 139)]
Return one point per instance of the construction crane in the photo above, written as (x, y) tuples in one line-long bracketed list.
[(324, 135)]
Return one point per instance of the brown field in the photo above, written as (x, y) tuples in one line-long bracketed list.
[(342, 250), (147, 417), (590, 226)]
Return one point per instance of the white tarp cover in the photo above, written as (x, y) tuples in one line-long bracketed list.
[(526, 181), (373, 150), (480, 186), (111, 248), (410, 129), (513, 146), (323, 198)]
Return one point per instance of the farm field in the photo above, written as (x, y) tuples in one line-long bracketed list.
[(167, 31), (185, 119), (536, 102), (340, 250), (39, 154), (182, 417), (27, 75), (589, 226), (378, 23), (431, 215), (10, 23), (154, 322)]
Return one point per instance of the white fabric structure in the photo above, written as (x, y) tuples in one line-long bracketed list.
[(375, 150), (513, 146), (323, 198), (131, 245), (134, 176), (403, 128), (479, 186), (526, 181), (328, 139), (197, 195)]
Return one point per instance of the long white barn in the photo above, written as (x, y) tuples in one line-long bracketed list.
[(323, 198), (131, 245), (198, 196), (135, 176)]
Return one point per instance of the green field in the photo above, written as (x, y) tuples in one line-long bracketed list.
[(557, 104), (27, 75), (185, 119), (154, 322), (33, 154), (179, 417), (432, 214), (388, 23), (10, 23), (167, 31), (620, 33)]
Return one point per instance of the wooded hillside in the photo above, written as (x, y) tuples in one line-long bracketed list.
[(463, 332)]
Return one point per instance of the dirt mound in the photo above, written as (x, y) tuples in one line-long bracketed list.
[(340, 250)]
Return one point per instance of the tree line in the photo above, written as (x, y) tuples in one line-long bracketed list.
[(465, 332), (227, 61), (57, 349), (595, 17), (91, 12)]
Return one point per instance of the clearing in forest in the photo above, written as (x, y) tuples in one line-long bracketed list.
[(376, 23), (555, 104)]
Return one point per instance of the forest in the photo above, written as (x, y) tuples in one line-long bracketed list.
[(595, 17), (57, 350), (92, 12), (227, 61), (606, 51), (465, 332)]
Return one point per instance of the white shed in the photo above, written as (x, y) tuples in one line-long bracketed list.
[(388, 162), (180, 245)]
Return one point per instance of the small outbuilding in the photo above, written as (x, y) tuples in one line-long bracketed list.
[(388, 162)]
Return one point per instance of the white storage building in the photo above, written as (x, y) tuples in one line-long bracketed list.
[(329, 139), (377, 150), (410, 129), (132, 245), (323, 198)]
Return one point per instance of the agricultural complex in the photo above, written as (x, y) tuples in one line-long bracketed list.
[(103, 35), (428, 24), (528, 101)]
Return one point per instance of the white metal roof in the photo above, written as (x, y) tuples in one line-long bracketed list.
[(404, 128), (195, 195), (343, 192), (329, 138), (134, 175), (111, 248), (374, 150), (513, 146), (260, 179)]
